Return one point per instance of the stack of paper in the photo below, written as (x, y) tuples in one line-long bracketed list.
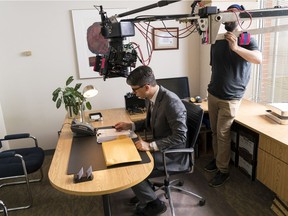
[(121, 150), (108, 134)]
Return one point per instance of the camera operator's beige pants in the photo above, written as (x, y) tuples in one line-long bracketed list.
[(221, 115)]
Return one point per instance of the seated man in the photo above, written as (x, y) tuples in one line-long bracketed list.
[(166, 119)]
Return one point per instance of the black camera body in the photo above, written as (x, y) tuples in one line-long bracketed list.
[(121, 56), (117, 62)]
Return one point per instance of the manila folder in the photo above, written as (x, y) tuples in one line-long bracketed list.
[(120, 150)]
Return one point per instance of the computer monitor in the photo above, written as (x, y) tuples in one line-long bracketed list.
[(178, 85)]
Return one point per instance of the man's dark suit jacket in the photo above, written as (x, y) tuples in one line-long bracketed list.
[(168, 127)]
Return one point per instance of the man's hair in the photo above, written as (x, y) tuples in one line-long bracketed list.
[(141, 76)]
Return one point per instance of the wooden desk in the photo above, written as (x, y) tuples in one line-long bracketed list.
[(105, 181)]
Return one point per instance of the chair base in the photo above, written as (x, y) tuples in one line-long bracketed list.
[(176, 185)]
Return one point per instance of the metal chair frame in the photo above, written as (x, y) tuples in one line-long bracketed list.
[(25, 176), (4, 208)]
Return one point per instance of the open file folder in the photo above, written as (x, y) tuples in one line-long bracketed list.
[(120, 150), (109, 133)]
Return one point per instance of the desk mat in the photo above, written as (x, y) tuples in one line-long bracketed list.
[(85, 151)]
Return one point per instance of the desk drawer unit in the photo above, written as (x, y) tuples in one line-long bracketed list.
[(272, 169), (244, 144), (247, 150)]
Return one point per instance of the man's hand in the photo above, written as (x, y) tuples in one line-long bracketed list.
[(232, 40), (141, 145), (123, 126), (253, 56)]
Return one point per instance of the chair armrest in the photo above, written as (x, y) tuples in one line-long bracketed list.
[(18, 136), (7, 154), (184, 150)]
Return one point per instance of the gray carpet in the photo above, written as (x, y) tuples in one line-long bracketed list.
[(239, 196)]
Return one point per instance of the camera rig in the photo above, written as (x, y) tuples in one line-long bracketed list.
[(122, 57)]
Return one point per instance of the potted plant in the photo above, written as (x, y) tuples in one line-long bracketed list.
[(71, 97)]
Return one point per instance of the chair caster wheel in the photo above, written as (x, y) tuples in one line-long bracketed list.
[(202, 202)]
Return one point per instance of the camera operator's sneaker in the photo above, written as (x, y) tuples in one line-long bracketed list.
[(211, 167), (219, 179)]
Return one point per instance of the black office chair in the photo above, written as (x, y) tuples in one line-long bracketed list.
[(16, 164), (194, 122)]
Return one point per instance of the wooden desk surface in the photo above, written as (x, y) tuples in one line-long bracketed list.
[(253, 116), (105, 181)]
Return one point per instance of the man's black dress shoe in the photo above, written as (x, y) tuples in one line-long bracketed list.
[(153, 208)]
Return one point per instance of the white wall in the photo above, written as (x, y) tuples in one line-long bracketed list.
[(45, 28)]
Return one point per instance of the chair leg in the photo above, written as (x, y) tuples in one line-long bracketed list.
[(26, 181), (168, 194), (202, 200), (29, 193), (4, 208)]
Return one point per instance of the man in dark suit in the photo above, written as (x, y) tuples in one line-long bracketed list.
[(167, 123)]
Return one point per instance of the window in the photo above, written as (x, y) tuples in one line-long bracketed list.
[(269, 81)]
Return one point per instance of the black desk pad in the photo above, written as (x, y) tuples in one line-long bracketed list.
[(85, 152)]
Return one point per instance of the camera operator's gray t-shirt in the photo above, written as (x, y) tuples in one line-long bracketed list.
[(230, 72)]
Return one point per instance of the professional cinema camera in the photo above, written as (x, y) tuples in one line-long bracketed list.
[(121, 56)]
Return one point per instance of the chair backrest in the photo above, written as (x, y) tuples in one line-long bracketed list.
[(194, 121)]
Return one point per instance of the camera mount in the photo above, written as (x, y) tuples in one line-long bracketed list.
[(207, 22)]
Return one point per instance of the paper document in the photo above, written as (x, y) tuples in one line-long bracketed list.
[(108, 134), (121, 150)]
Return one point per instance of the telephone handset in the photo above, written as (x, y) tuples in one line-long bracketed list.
[(81, 128)]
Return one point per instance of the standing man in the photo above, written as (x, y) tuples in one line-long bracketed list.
[(166, 119), (231, 68)]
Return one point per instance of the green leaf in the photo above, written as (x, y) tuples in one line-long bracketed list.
[(77, 86), (69, 80), (58, 103), (55, 96), (88, 105), (56, 91)]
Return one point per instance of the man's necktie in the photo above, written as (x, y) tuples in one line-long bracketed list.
[(151, 111)]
